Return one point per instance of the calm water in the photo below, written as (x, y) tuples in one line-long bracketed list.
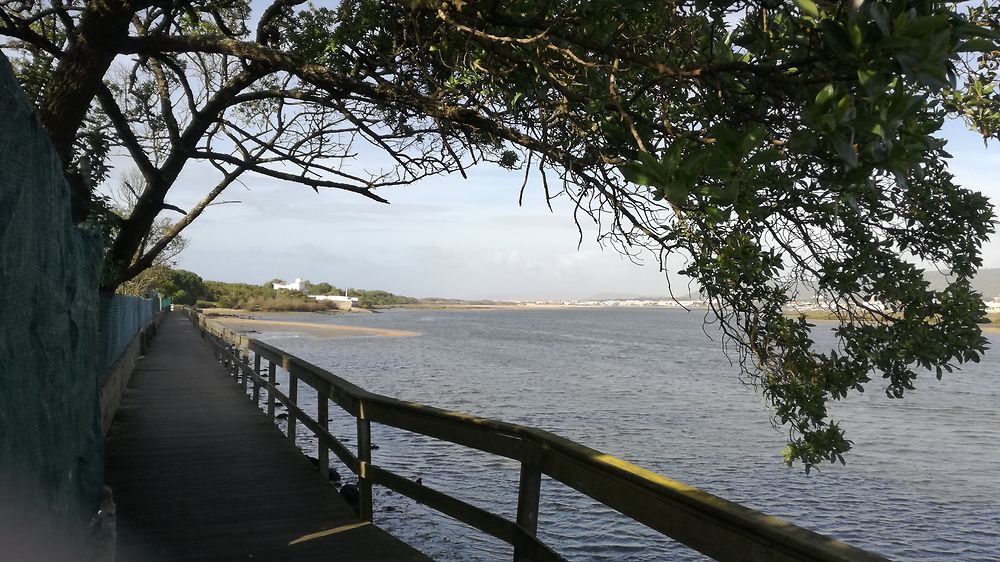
[(650, 386)]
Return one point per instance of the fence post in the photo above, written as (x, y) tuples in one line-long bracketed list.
[(293, 394), (364, 460), (256, 383), (271, 370), (323, 418), (528, 495)]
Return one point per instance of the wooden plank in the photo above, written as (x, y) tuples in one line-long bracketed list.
[(489, 523), (271, 373), (528, 495), (364, 463), (339, 449), (476, 517), (256, 379), (323, 421), (344, 393), (244, 367), (326, 439), (451, 427), (719, 528), (293, 396)]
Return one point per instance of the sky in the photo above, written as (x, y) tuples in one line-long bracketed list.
[(446, 236)]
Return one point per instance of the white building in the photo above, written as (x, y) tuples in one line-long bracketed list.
[(993, 306), (297, 285)]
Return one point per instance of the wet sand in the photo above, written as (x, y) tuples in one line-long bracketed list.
[(249, 326)]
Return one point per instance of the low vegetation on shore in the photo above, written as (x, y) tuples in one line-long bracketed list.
[(185, 287)]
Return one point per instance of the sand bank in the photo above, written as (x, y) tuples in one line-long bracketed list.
[(246, 325)]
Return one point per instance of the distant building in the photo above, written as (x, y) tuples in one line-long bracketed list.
[(297, 285), (993, 306)]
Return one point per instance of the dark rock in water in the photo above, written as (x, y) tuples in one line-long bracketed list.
[(389, 508), (419, 481), (350, 494), (281, 416), (374, 447)]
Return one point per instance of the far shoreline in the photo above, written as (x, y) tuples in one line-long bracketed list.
[(228, 315)]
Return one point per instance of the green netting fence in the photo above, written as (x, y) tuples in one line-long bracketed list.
[(120, 317)]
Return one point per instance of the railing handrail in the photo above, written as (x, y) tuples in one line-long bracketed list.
[(712, 525)]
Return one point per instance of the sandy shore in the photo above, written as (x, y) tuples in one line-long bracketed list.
[(249, 326)]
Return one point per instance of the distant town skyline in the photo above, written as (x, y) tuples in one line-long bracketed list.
[(447, 236)]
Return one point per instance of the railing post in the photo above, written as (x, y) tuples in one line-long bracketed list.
[(528, 494), (256, 383), (323, 418), (364, 460), (293, 396), (271, 370), (244, 366), (234, 361)]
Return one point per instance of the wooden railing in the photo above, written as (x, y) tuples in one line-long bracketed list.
[(716, 527)]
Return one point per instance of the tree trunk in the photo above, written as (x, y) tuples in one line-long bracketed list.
[(103, 26)]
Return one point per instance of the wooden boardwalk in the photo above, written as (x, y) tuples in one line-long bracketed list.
[(199, 473)]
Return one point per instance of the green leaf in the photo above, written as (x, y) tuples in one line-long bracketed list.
[(880, 15), (825, 95), (764, 157), (978, 45), (802, 141), (837, 38), (872, 81), (807, 7), (641, 174), (844, 149), (726, 140)]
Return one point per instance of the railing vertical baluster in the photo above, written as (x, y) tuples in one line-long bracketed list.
[(234, 359), (234, 362), (293, 396), (528, 495), (364, 459), (323, 418), (244, 366), (271, 372), (256, 382)]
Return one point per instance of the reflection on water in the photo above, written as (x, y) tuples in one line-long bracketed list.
[(923, 482)]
